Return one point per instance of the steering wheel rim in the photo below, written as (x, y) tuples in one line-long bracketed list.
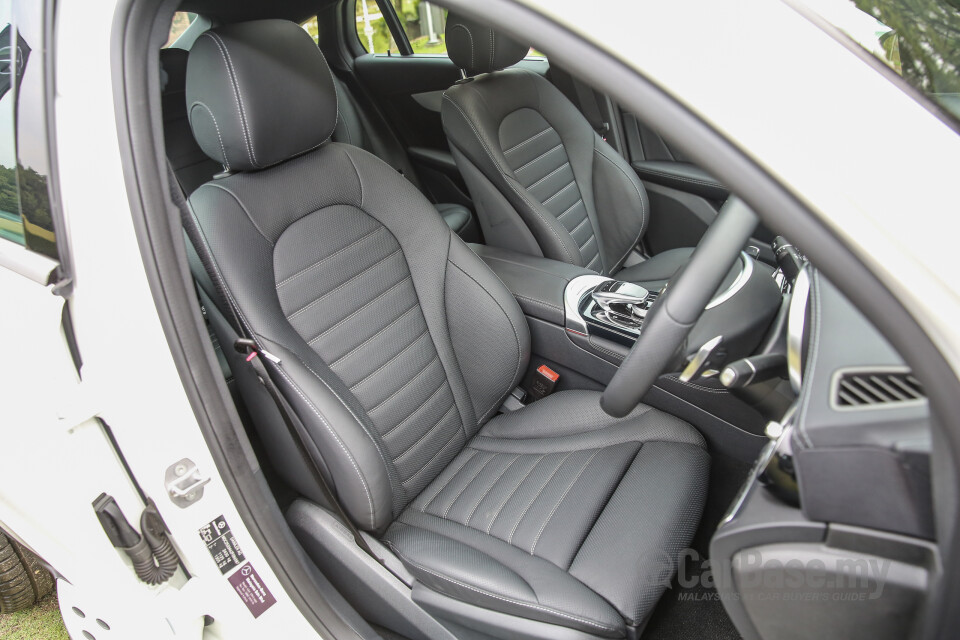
[(676, 311)]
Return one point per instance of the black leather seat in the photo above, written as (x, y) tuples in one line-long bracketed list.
[(193, 167), (352, 130), (542, 180), (397, 346)]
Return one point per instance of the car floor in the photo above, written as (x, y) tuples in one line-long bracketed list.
[(696, 612)]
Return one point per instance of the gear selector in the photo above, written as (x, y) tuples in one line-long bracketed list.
[(622, 303)]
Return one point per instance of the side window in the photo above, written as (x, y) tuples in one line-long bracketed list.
[(11, 224), (423, 25), (311, 27), (25, 205), (181, 20)]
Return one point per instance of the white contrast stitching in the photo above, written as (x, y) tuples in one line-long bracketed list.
[(441, 487), (469, 35), (511, 600), (565, 164), (468, 483), (514, 492), (223, 150), (533, 208), (537, 495), (530, 139), (643, 209), (335, 253), (516, 458), (559, 502), (228, 63)]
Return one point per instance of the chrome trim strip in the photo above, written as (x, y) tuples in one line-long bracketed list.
[(796, 323), (572, 295), (582, 285), (35, 266), (746, 271)]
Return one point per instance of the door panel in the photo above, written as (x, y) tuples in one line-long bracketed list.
[(684, 198)]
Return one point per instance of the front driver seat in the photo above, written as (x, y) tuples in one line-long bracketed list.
[(542, 180), (397, 346)]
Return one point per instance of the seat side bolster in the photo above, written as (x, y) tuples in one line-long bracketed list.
[(623, 211), (347, 445), (488, 330)]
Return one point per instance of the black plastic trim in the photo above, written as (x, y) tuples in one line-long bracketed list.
[(393, 23)]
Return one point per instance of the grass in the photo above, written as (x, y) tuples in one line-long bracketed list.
[(41, 622)]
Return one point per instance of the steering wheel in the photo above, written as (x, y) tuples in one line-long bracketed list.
[(672, 317)]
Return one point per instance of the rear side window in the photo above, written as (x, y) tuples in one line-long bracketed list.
[(423, 26), (25, 203), (181, 20), (11, 224)]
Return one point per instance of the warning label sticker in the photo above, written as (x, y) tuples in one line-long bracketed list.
[(251, 590), (221, 544)]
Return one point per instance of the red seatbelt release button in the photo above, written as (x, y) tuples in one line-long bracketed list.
[(543, 382)]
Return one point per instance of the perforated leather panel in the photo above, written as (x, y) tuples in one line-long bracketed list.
[(345, 287), (531, 501), (540, 163)]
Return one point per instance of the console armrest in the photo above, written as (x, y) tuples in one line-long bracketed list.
[(537, 283)]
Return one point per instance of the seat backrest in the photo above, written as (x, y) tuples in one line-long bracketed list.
[(542, 180), (395, 341)]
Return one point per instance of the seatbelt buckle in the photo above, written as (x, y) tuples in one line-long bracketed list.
[(542, 382), (514, 401), (249, 347)]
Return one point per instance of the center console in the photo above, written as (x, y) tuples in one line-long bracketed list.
[(583, 325)]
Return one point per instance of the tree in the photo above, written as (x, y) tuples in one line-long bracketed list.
[(928, 40)]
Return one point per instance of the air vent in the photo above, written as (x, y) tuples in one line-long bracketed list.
[(857, 389)]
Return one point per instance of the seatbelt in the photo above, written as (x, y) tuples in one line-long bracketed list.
[(587, 98), (582, 96), (249, 345)]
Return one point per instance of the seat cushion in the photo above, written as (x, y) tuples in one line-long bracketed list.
[(560, 513)]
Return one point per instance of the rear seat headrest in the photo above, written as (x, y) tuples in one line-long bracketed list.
[(259, 93)]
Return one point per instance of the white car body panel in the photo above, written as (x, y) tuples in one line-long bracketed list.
[(129, 380)]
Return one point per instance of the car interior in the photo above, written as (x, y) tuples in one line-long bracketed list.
[(512, 364)]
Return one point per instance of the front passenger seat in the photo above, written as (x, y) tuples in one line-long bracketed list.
[(395, 345), (542, 180)]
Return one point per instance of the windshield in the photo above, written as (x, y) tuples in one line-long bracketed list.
[(918, 39)]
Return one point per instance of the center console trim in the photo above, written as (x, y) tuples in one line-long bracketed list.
[(572, 295), (578, 287)]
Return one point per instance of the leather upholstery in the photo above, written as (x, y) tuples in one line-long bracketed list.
[(549, 507), (251, 102), (190, 164), (193, 167), (396, 347), (477, 49), (537, 283), (517, 136)]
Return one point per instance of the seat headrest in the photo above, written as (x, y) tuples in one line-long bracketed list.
[(477, 49), (259, 93)]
